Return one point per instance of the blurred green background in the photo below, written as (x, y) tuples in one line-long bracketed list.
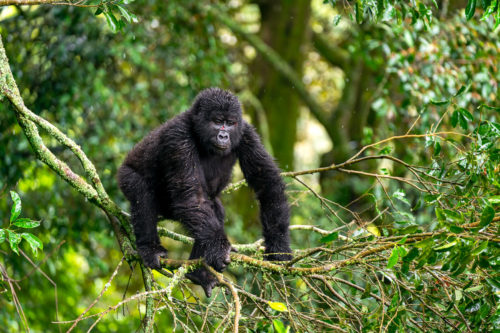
[(107, 90)]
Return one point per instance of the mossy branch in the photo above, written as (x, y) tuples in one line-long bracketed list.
[(95, 193)]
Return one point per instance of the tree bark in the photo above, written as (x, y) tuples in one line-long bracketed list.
[(284, 27)]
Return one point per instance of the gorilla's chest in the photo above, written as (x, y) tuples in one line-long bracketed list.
[(217, 172)]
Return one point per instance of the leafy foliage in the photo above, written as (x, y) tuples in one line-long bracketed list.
[(409, 244), (16, 224)]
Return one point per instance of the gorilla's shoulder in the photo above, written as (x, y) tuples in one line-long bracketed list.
[(178, 128)]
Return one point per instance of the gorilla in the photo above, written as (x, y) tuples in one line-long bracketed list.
[(178, 172)]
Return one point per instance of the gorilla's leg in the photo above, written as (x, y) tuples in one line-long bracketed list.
[(144, 216), (219, 210), (201, 275)]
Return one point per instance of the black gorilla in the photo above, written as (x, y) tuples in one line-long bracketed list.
[(178, 171)]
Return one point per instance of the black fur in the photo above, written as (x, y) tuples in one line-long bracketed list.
[(178, 171)]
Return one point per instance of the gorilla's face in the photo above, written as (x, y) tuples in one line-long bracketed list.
[(223, 131), (217, 120)]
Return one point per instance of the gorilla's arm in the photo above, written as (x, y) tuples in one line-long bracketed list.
[(196, 213), (144, 215), (263, 176)]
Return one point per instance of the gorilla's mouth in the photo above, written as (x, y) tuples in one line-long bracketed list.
[(221, 146)]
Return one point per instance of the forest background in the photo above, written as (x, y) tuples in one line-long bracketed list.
[(382, 114)]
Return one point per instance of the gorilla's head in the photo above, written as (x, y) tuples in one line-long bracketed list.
[(216, 116)]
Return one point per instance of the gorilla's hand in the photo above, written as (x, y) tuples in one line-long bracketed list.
[(151, 255), (278, 252), (204, 278), (216, 252)]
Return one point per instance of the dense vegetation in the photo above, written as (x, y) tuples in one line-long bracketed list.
[(382, 114)]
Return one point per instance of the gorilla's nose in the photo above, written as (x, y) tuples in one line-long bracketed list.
[(223, 137)]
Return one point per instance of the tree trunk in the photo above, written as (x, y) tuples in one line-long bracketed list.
[(284, 27)]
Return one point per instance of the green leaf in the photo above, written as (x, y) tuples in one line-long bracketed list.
[(125, 13), (437, 148), (408, 230), (440, 103), (440, 214), (401, 196), (431, 198), (2, 235), (134, 18), (445, 247), (470, 9), (462, 121), (26, 223), (467, 115), (458, 294), (414, 252), (403, 240), (336, 19), (455, 229), (279, 327), (278, 306), (472, 289), (454, 118), (330, 237), (112, 21), (16, 208), (386, 150), (496, 108), (487, 216), (393, 259), (453, 216), (494, 200), (98, 11), (14, 240), (481, 247), (33, 241), (462, 90)]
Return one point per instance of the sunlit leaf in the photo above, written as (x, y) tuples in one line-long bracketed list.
[(125, 13), (279, 327), (494, 200), (111, 20), (401, 196), (34, 242), (446, 246), (2, 235), (393, 259), (14, 240), (472, 289), (16, 207), (26, 223), (481, 247), (278, 306), (372, 228)]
